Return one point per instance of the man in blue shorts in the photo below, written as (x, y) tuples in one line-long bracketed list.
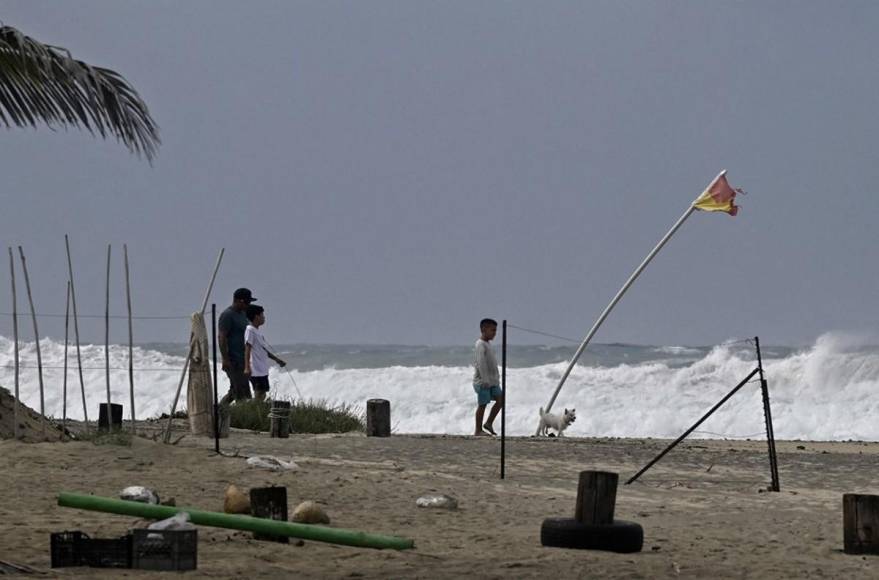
[(486, 378)]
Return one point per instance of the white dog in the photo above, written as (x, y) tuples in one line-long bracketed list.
[(557, 422)]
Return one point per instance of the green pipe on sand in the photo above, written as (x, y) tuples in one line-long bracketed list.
[(236, 522)]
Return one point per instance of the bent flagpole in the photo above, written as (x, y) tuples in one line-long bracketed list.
[(721, 202)]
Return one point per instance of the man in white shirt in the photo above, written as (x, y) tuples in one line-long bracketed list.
[(486, 378), (256, 353)]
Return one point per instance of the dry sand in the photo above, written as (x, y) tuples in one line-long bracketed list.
[(703, 507)]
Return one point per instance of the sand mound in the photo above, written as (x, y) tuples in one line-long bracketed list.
[(30, 423)]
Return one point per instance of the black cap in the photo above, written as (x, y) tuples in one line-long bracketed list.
[(243, 294)]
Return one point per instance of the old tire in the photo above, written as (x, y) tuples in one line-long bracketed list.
[(620, 536)]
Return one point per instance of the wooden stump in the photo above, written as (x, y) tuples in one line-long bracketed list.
[(860, 525), (269, 503), (378, 418), (596, 497), (110, 422), (280, 416)]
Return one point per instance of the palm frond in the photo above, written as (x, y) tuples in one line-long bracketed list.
[(40, 83)]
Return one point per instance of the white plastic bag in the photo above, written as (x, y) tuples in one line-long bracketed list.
[(442, 501), (271, 463)]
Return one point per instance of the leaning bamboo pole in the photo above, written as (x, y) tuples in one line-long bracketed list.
[(237, 522), (107, 342), (30, 299), (64, 381), (130, 337), (15, 411), (204, 305), (85, 412)]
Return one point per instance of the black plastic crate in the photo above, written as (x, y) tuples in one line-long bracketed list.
[(165, 549), (78, 549)]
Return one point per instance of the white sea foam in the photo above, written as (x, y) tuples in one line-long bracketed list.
[(826, 392)]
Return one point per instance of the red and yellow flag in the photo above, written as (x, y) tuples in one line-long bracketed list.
[(718, 197)]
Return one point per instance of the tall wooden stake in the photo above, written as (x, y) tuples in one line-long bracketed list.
[(107, 341), (66, 340), (85, 411), (130, 338), (30, 299), (15, 430)]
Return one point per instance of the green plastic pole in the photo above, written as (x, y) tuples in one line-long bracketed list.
[(236, 522)]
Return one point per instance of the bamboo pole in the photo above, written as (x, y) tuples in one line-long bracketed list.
[(204, 305), (620, 293), (236, 522), (30, 299), (107, 342), (85, 411), (130, 338), (64, 381), (15, 411)]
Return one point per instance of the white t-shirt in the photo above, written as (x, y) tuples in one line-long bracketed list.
[(259, 357)]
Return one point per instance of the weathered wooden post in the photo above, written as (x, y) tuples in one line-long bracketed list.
[(280, 416), (378, 418), (596, 497), (269, 503), (860, 525)]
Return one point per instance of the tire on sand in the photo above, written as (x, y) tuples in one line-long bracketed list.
[(620, 536)]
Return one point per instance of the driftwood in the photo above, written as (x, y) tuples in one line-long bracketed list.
[(199, 395)]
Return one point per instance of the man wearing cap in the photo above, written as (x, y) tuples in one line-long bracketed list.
[(230, 332)]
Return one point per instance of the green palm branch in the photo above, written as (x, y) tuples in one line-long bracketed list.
[(40, 83)]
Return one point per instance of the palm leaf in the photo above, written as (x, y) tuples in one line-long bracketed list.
[(40, 83)]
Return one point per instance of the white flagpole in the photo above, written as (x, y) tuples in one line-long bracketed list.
[(619, 295)]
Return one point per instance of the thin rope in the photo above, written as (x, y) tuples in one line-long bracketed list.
[(122, 316), (541, 333)]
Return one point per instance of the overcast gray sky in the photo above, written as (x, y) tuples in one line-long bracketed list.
[(390, 172)]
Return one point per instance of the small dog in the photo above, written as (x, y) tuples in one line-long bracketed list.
[(557, 422)]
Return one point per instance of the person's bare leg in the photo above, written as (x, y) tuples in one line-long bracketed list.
[(495, 409), (480, 413), (261, 395)]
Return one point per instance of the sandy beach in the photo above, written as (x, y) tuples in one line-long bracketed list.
[(704, 507)]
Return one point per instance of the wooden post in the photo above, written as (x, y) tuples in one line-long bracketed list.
[(64, 380), (596, 497), (204, 305), (860, 525), (15, 430), (130, 339), (107, 329), (280, 416), (269, 503), (30, 299), (85, 412), (378, 418)]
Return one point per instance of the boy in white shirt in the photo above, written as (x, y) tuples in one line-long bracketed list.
[(256, 353), (486, 378)]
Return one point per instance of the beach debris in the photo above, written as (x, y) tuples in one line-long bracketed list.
[(236, 501), (179, 521), (308, 512), (139, 493), (438, 501), (7, 567), (271, 463)]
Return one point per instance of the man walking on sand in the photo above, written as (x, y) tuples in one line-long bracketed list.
[(486, 378), (230, 334)]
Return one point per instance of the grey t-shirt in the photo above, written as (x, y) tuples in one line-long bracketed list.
[(234, 323), (485, 371)]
